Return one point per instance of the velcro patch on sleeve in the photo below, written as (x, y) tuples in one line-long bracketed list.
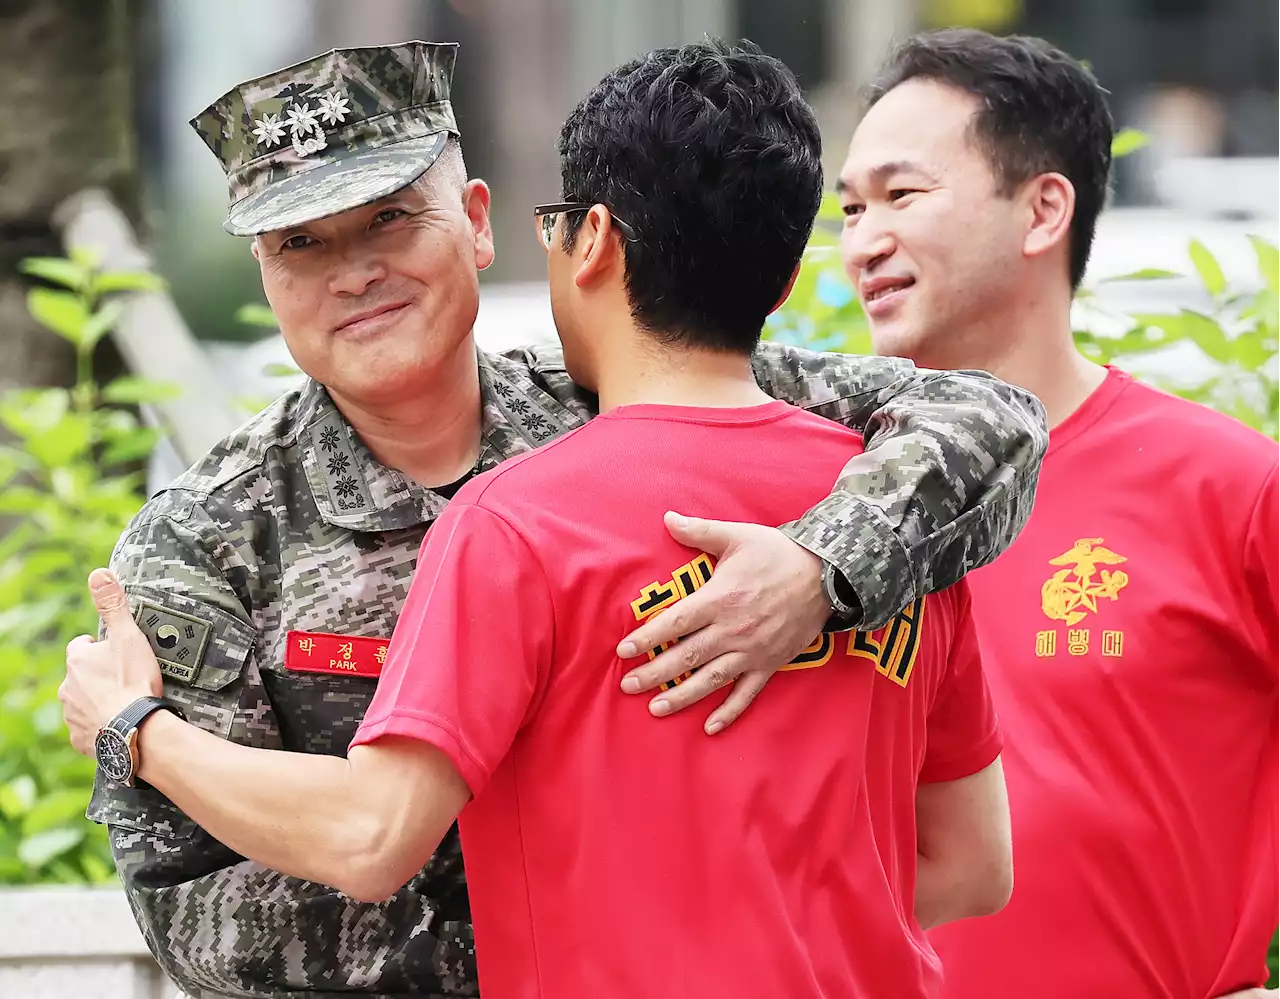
[(348, 655), (178, 640)]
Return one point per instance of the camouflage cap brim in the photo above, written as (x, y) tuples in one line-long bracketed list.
[(345, 182)]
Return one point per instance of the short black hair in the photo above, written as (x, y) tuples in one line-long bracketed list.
[(1040, 111), (710, 152)]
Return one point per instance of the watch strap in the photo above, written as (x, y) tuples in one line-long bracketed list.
[(133, 715)]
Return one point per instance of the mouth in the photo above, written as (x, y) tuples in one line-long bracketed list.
[(372, 320), (882, 288)]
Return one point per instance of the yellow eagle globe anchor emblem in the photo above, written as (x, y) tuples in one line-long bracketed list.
[(1073, 592)]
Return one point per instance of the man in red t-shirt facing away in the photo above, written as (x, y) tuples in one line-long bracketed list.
[(1130, 632), (610, 854)]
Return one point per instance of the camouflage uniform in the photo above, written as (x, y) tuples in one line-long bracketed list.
[(291, 524)]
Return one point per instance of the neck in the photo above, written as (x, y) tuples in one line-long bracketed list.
[(641, 370), (1040, 355), (432, 435), (1059, 376)]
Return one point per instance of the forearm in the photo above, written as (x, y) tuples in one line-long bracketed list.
[(947, 890), (942, 894), (297, 813), (964, 851), (945, 485)]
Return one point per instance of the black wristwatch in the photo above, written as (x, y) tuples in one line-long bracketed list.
[(846, 608), (116, 746)]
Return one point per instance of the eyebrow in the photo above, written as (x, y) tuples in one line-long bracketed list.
[(881, 171)]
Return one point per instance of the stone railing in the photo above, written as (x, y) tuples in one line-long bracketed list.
[(74, 943)]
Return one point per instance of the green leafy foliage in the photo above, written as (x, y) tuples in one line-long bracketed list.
[(259, 315), (1231, 346), (68, 486), (822, 312), (1126, 141), (256, 314)]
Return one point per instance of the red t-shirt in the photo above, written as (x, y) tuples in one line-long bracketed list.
[(1130, 638), (616, 855)]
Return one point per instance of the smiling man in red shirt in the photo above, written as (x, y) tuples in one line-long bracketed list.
[(1131, 631), (609, 854)]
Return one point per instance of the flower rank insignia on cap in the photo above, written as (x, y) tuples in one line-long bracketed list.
[(330, 134)]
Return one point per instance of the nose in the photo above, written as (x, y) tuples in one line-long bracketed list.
[(356, 272), (865, 244)]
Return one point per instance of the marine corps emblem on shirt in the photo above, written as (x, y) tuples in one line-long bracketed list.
[(1074, 592)]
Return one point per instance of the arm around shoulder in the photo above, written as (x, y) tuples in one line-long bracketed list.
[(945, 485)]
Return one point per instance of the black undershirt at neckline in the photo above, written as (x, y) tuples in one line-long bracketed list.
[(450, 488)]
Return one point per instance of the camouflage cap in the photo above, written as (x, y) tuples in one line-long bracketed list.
[(330, 134)]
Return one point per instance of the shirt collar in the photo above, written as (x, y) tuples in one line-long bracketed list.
[(353, 490)]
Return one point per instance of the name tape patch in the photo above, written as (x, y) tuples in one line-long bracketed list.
[(318, 652)]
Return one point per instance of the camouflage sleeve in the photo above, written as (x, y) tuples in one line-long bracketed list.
[(217, 924), (947, 481), (201, 634)]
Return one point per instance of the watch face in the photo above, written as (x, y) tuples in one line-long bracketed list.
[(114, 759)]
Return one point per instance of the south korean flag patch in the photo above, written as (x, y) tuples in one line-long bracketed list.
[(178, 640)]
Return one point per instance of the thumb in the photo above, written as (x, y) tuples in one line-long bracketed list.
[(110, 601), (710, 536)]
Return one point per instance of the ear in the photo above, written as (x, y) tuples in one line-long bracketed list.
[(786, 292), (598, 248), (475, 201), (253, 248), (1051, 199)]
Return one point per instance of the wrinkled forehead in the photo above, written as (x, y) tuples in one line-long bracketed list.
[(920, 121)]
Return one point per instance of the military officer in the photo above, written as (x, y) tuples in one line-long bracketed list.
[(269, 576)]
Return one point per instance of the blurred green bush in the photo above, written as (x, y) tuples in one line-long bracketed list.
[(69, 483)]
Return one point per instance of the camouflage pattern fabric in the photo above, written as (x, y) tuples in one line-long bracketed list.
[(291, 524), (330, 134)]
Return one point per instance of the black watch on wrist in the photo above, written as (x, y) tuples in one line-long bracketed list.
[(116, 746), (846, 608)]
